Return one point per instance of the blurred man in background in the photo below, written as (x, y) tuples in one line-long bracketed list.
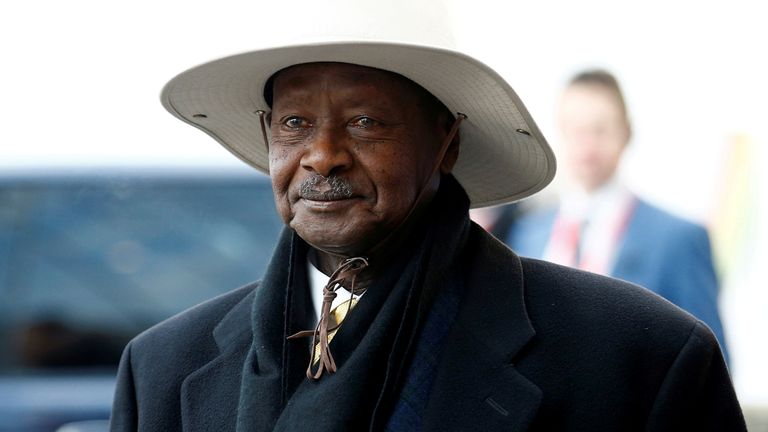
[(601, 226)]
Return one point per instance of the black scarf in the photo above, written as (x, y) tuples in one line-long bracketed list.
[(373, 346)]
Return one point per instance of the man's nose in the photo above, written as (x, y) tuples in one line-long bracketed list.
[(327, 153)]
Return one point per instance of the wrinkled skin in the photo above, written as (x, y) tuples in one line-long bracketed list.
[(351, 148)]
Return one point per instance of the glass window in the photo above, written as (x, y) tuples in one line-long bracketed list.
[(89, 261)]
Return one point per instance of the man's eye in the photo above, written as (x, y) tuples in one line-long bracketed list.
[(294, 122), (363, 122)]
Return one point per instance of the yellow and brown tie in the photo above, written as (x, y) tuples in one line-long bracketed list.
[(331, 320), (335, 317)]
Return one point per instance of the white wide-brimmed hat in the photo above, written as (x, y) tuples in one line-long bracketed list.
[(503, 156)]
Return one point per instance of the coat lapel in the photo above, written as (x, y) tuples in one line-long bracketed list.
[(477, 386), (209, 396)]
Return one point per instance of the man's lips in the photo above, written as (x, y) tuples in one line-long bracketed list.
[(316, 195), (326, 203)]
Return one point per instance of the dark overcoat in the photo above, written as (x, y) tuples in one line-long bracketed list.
[(534, 346)]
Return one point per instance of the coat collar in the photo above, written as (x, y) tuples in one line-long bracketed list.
[(493, 321)]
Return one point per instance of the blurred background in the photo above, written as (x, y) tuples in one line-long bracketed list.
[(114, 215)]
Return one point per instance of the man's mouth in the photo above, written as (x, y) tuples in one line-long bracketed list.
[(319, 196)]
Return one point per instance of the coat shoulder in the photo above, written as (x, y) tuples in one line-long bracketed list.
[(190, 329), (571, 297), (599, 335), (156, 362)]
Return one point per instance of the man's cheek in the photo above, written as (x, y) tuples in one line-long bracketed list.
[(281, 154), (280, 189), (284, 209)]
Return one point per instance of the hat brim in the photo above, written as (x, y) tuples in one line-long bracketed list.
[(503, 155)]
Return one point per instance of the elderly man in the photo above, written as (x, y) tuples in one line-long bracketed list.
[(383, 307)]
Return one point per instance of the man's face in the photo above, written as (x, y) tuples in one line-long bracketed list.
[(594, 134), (351, 148)]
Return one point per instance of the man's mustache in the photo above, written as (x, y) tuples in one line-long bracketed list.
[(320, 188)]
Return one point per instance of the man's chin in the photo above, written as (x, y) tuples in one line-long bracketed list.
[(328, 241)]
